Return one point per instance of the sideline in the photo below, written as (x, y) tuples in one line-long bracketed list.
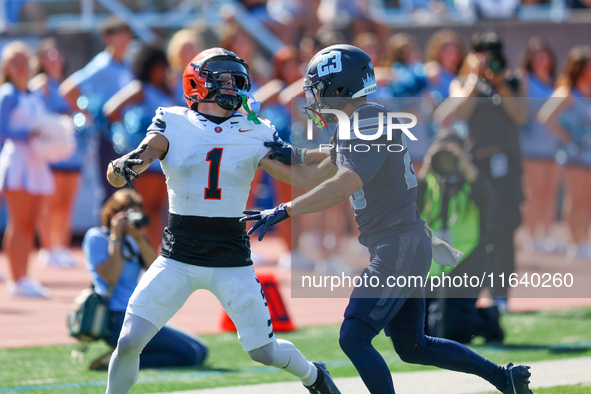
[(544, 374), (550, 373)]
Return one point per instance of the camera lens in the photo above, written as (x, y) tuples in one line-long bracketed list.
[(138, 219), (496, 63), (444, 163)]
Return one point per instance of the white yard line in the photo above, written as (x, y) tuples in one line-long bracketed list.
[(564, 372)]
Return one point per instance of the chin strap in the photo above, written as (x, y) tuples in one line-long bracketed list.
[(254, 108)]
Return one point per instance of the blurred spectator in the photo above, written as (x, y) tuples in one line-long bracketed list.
[(237, 40), (491, 100), (25, 179), (487, 9), (286, 68), (56, 223), (308, 47), (368, 42), (90, 87), (115, 254), (455, 202), (568, 114), (538, 147), (288, 20), (182, 48), (578, 4), (403, 56), (445, 53), (408, 86), (349, 16), (131, 111), (294, 18), (16, 11)]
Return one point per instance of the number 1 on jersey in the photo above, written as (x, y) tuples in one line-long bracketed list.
[(214, 157)]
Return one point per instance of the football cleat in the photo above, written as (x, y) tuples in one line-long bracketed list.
[(324, 383), (517, 379)]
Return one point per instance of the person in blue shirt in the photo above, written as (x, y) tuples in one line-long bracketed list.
[(409, 87), (381, 186), (89, 88), (115, 255), (130, 111), (25, 178), (538, 148), (56, 228), (444, 56), (568, 115)]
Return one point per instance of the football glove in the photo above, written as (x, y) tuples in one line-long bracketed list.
[(266, 218), (123, 166), (285, 153)]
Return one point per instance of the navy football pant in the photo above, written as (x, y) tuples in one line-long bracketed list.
[(403, 319), (412, 347)]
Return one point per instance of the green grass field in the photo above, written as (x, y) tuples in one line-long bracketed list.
[(529, 337)]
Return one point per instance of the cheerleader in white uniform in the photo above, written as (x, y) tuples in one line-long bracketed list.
[(25, 178)]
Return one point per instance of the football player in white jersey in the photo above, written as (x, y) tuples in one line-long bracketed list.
[(209, 154)]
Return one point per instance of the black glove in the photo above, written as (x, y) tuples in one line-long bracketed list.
[(266, 218), (284, 152), (123, 166)]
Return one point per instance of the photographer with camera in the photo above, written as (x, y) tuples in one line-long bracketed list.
[(492, 101), (455, 202), (115, 255)]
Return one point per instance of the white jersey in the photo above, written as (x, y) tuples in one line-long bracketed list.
[(209, 166)]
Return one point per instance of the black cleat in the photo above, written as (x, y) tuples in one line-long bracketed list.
[(517, 379), (324, 383)]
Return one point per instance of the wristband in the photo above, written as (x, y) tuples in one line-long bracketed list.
[(303, 156), (114, 240)]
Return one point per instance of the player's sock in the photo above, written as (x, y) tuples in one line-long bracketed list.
[(283, 354), (355, 340), (125, 361), (417, 348)]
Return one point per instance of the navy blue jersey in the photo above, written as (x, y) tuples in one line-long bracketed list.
[(385, 205)]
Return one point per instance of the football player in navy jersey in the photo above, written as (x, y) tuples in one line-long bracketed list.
[(381, 186), (209, 154)]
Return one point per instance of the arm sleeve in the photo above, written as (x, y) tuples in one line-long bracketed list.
[(8, 103), (364, 164)]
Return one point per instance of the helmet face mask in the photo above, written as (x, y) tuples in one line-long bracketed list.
[(207, 76)]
